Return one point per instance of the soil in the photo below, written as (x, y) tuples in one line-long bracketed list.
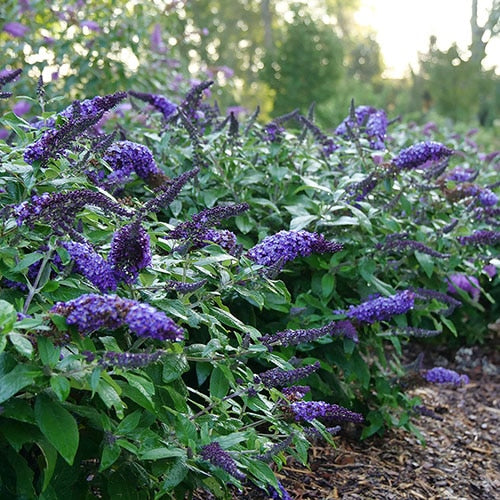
[(460, 459)]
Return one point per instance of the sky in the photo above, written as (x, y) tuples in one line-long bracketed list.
[(404, 27)]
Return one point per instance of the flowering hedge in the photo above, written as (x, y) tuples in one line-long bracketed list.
[(170, 275)]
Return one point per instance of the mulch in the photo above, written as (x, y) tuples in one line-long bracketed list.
[(460, 459)]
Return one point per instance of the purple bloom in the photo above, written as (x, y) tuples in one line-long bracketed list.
[(469, 284), (398, 242), (369, 121), (21, 108), (125, 157), (420, 153), (92, 312), (295, 392), (309, 410), (160, 102), (130, 252), (91, 265), (382, 308), (59, 210), (273, 132), (157, 44), (214, 454), (169, 191), (460, 174), (146, 321), (487, 198), (424, 293), (129, 359), (439, 375), (480, 237), (294, 337), (15, 29), (181, 287), (91, 25), (280, 494), (277, 377), (198, 230), (287, 245)]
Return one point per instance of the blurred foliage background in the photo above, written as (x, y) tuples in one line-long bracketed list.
[(278, 55)]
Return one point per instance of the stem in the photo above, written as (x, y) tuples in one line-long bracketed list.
[(33, 289)]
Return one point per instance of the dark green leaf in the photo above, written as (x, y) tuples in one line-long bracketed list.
[(58, 426)]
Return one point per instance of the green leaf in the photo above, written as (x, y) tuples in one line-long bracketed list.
[(129, 423), (426, 262), (110, 454), (219, 384), (22, 344), (61, 386), (159, 453), (110, 397), (50, 455), (8, 316), (174, 365), (175, 474), (20, 377), (261, 471), (58, 426), (327, 284), (49, 354), (27, 261)]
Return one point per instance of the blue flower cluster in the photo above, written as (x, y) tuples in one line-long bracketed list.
[(125, 157), (309, 410), (91, 312), (439, 375), (79, 117), (160, 102), (370, 122), (91, 265), (469, 284), (415, 156), (217, 456), (277, 377), (480, 237), (382, 308), (130, 252), (295, 337), (126, 360), (287, 245)]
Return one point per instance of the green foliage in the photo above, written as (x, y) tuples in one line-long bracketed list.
[(76, 422)]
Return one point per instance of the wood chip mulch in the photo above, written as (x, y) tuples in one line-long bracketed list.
[(460, 459)]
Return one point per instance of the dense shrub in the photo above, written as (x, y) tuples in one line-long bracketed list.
[(170, 275)]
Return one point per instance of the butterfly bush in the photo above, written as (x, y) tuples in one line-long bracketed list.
[(186, 359), (439, 375), (285, 246), (381, 308)]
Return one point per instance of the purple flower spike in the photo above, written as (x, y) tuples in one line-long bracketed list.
[(420, 153), (287, 245), (146, 321), (92, 312), (439, 375), (161, 103), (469, 284), (277, 377), (382, 308), (15, 29), (125, 157), (126, 360), (130, 252), (480, 237), (91, 265), (280, 494), (309, 410), (214, 454)]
